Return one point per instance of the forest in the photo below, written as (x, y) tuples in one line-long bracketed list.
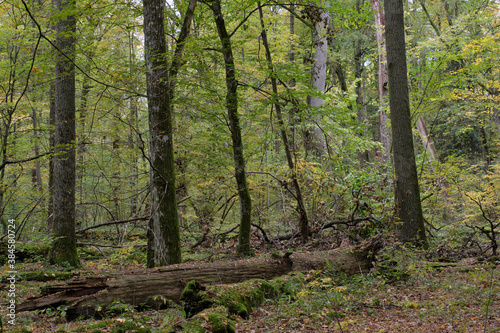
[(249, 166)]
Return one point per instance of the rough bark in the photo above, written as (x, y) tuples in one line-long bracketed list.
[(407, 192), (234, 125), (89, 296), (63, 222), (379, 17), (303, 221), (163, 233)]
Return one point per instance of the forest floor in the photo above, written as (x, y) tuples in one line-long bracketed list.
[(407, 291)]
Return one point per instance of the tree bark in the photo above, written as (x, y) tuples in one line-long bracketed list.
[(234, 124), (426, 139), (385, 137), (303, 221), (314, 136), (164, 246), (63, 222), (407, 192), (90, 296), (52, 123)]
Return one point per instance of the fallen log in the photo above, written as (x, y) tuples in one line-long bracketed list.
[(92, 295)]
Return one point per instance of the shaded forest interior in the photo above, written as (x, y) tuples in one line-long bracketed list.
[(158, 133)]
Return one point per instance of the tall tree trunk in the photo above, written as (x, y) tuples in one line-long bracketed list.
[(52, 123), (80, 168), (303, 221), (164, 247), (407, 192), (234, 124), (359, 69), (385, 138), (314, 137), (294, 110), (37, 176), (63, 223), (133, 123)]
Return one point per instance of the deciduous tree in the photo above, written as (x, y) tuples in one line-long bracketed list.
[(63, 222), (407, 192)]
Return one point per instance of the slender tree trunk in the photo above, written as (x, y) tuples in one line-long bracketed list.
[(426, 139), (52, 122), (3, 156), (234, 124), (359, 69), (294, 112), (81, 142), (314, 136), (63, 224), (303, 221), (37, 176), (133, 123), (164, 247), (407, 192), (385, 137)]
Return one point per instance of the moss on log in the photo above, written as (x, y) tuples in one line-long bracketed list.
[(90, 296)]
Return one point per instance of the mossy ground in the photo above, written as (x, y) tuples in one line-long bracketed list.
[(416, 294)]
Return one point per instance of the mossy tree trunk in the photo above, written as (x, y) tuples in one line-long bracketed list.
[(164, 247), (88, 296), (234, 125), (63, 222)]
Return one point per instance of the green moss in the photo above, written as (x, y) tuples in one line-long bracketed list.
[(220, 321), (130, 326), (95, 326), (64, 252), (195, 299), (239, 309), (173, 320), (241, 298), (289, 284), (215, 320)]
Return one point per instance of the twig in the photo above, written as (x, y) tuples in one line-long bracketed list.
[(135, 219)]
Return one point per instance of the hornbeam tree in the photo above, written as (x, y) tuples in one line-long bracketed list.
[(164, 247), (234, 125)]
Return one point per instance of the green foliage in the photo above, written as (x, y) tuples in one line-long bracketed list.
[(119, 308)]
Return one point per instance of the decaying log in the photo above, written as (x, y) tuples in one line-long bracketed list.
[(88, 296)]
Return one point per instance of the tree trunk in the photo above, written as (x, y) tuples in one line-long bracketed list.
[(303, 221), (37, 175), (385, 138), (164, 246), (52, 123), (89, 296), (407, 192), (234, 124), (63, 222), (359, 68), (426, 139), (314, 137)]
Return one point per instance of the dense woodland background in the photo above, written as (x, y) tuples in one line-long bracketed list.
[(345, 177)]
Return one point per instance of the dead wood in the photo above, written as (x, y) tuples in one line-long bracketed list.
[(89, 296)]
